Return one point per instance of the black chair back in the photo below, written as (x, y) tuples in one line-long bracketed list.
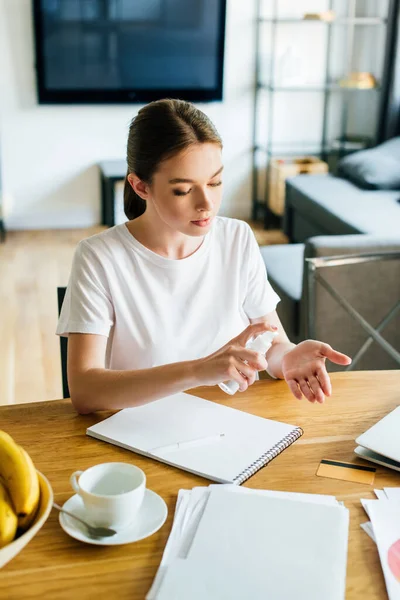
[(63, 346)]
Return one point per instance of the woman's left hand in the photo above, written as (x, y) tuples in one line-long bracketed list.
[(304, 369)]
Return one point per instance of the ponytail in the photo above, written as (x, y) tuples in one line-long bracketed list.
[(159, 131), (134, 205)]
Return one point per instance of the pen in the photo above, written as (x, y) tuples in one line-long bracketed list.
[(188, 443)]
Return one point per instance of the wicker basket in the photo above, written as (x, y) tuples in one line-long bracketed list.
[(282, 168)]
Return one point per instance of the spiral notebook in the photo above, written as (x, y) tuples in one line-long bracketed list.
[(209, 439)]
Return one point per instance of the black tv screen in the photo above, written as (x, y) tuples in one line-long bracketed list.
[(124, 51)]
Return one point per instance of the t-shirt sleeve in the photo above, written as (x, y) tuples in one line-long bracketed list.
[(87, 306), (260, 298)]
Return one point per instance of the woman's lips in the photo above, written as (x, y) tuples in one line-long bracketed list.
[(202, 222)]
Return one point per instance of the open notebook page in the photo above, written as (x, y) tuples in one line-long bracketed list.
[(182, 417)]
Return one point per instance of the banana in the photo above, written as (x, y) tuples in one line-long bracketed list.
[(25, 521), (8, 518), (19, 476)]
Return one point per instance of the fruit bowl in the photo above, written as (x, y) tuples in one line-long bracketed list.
[(45, 504)]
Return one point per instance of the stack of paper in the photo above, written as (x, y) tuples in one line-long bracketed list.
[(384, 529), (233, 543)]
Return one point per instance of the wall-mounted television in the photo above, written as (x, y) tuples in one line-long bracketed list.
[(125, 51)]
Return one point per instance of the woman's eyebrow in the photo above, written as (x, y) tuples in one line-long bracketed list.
[(180, 180)]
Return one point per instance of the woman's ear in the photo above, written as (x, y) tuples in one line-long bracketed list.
[(139, 187)]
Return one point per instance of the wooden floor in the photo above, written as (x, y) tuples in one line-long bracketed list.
[(32, 265)]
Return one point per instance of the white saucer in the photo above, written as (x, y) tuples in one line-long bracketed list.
[(150, 518)]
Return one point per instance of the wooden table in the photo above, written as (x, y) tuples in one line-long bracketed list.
[(56, 566)]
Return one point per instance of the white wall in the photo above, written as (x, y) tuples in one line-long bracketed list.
[(49, 153)]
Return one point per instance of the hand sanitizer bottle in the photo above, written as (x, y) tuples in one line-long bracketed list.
[(261, 343)]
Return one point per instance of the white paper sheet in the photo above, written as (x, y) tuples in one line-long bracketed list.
[(393, 493), (367, 527), (385, 519), (380, 494), (176, 570), (366, 503)]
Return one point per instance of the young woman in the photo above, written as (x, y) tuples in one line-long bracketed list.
[(168, 300)]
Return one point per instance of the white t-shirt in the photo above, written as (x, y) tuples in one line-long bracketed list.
[(155, 310)]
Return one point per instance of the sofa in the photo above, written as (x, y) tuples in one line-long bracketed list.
[(357, 213), (372, 288), (329, 205), (365, 198)]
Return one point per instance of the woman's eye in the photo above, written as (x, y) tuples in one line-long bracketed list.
[(185, 193), (180, 192)]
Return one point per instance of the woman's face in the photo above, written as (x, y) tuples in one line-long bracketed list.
[(186, 190)]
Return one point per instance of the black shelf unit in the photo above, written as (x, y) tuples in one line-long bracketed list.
[(329, 151)]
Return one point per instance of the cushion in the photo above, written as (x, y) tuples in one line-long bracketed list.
[(284, 265), (376, 168)]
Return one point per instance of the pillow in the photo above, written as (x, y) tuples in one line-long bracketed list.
[(374, 169)]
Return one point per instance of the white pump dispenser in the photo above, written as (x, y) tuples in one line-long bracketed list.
[(262, 344)]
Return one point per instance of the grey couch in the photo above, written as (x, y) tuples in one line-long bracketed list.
[(325, 216), (364, 199), (372, 288), (329, 205)]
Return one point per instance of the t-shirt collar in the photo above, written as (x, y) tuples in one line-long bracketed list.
[(162, 260)]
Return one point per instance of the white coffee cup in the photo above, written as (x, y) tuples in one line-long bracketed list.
[(111, 492)]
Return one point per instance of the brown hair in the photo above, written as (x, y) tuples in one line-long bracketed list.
[(160, 130)]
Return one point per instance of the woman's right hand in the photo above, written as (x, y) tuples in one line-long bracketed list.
[(229, 361)]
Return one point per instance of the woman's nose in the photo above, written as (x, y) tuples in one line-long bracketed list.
[(204, 201)]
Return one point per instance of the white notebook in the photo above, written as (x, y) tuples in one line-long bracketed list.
[(258, 547), (211, 440), (381, 443)]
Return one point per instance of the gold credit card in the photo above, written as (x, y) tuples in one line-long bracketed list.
[(335, 469)]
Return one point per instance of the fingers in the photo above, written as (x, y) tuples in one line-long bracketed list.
[(300, 388), (306, 390), (311, 389), (256, 359), (242, 373), (294, 388), (243, 363), (246, 370), (253, 330), (316, 389), (324, 381), (334, 356), (240, 379)]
